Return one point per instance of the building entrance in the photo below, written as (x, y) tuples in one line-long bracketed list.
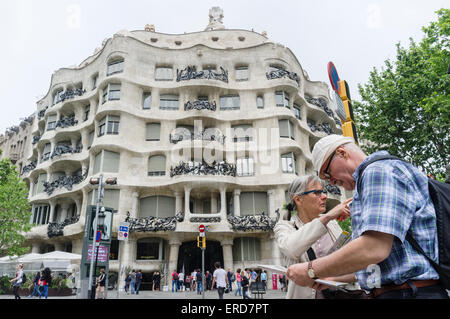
[(190, 256)]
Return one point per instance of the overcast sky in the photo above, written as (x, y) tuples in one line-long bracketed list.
[(41, 36)]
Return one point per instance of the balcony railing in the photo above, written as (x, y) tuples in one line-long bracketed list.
[(281, 73), (66, 122), (70, 94), (57, 229), (42, 113), (153, 224), (64, 181), (200, 105), (253, 222), (206, 135), (322, 103), (323, 127), (202, 169), (190, 73), (29, 167), (65, 149)]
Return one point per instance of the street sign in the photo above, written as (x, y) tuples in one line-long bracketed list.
[(98, 236), (333, 76), (202, 234), (123, 231), (201, 228)]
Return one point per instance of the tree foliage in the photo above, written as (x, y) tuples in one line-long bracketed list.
[(405, 107), (14, 210)]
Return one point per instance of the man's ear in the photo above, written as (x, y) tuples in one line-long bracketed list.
[(342, 152)]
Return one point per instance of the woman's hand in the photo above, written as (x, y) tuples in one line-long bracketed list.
[(340, 212)]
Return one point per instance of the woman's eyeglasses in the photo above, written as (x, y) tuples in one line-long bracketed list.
[(317, 192)]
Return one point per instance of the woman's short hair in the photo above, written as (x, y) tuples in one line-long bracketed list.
[(297, 187)]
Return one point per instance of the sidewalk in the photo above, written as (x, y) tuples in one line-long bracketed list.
[(112, 294)]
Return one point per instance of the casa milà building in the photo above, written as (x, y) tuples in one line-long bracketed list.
[(207, 128)]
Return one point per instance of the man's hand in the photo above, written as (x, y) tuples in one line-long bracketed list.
[(299, 274)]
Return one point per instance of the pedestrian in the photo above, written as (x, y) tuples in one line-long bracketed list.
[(229, 276), (127, 283), (175, 280), (208, 279), (199, 281), (264, 279), (238, 282), (194, 280), (133, 282), (187, 282), (36, 285), (17, 281), (220, 278), (157, 281), (253, 276), (390, 200), (101, 281), (138, 281), (245, 283), (308, 233), (46, 279)]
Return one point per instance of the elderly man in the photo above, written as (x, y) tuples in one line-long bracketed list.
[(393, 198)]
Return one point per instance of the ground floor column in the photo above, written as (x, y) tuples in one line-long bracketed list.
[(227, 247), (174, 247)]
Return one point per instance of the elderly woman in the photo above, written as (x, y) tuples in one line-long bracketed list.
[(308, 228)]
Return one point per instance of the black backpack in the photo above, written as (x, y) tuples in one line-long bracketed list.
[(440, 196), (24, 278)]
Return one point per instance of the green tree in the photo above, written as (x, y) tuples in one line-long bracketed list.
[(14, 210), (405, 106)]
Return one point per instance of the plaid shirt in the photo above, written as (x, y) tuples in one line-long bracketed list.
[(394, 198)]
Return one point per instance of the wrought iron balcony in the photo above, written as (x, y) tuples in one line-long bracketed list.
[(66, 122), (64, 181), (153, 224), (190, 73), (42, 113), (333, 189), (323, 127), (253, 222), (206, 135), (70, 94), (281, 73), (29, 167), (57, 229), (200, 105), (65, 149), (36, 138), (205, 219), (202, 169)]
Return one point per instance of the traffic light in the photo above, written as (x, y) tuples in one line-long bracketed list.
[(348, 127), (201, 242)]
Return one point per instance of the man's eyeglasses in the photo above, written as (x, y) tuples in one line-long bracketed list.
[(317, 192), (325, 172)]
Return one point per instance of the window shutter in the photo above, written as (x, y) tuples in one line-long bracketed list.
[(153, 131)]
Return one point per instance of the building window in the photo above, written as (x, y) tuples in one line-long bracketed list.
[(90, 139), (260, 102), (246, 248), (168, 102), (87, 108), (51, 122), (286, 129), (297, 111), (163, 74), (153, 131), (242, 73), (157, 206), (253, 203), (41, 214), (57, 96), (111, 198), (245, 167), (242, 133), (282, 99), (107, 162), (157, 165), (288, 163), (46, 152), (229, 102), (146, 100), (94, 81), (40, 183), (150, 249), (111, 92), (115, 67), (109, 125)]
